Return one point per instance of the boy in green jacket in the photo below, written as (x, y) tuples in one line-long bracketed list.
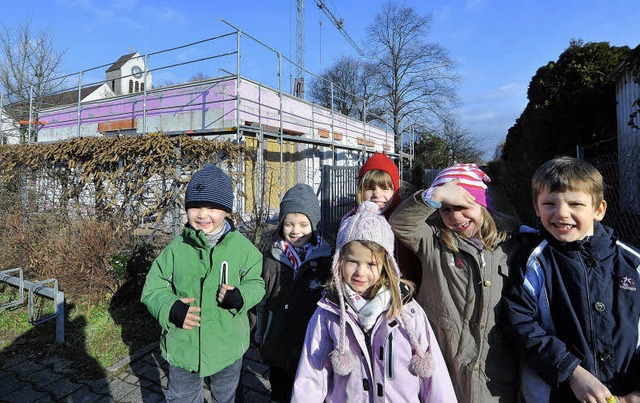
[(200, 288)]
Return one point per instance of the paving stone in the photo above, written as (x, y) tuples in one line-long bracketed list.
[(85, 395), (100, 386), (26, 394), (132, 379), (145, 385), (149, 371), (10, 362), (64, 387), (151, 385), (9, 383), (44, 378), (57, 364), (26, 368), (120, 389)]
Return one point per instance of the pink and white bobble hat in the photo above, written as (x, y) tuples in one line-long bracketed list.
[(368, 225), (471, 178)]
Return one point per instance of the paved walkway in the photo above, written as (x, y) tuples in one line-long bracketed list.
[(139, 378)]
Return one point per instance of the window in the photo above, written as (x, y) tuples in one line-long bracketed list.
[(113, 85), (130, 86), (137, 86)]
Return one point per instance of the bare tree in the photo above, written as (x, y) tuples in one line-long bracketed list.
[(29, 66), (462, 146), (346, 87), (416, 76)]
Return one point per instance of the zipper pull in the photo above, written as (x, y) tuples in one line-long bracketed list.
[(224, 273)]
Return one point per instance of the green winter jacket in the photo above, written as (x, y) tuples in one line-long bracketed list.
[(188, 267)]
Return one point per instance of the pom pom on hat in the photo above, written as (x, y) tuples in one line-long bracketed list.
[(210, 187), (470, 176), (343, 362), (422, 366), (381, 162)]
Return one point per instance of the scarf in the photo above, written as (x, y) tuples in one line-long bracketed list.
[(297, 254), (214, 237), (368, 311)]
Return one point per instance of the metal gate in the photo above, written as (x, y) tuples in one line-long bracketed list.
[(338, 189)]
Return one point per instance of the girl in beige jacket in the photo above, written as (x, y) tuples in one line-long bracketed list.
[(464, 257)]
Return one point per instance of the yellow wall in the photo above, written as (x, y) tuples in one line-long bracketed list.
[(276, 181)]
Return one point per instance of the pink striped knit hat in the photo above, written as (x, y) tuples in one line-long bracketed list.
[(471, 178), (367, 224)]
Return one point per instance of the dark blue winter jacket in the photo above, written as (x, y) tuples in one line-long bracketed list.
[(576, 304)]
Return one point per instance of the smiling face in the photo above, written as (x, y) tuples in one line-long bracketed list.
[(206, 219), (359, 267), (568, 215), (296, 229), (379, 196), (376, 186), (465, 221)]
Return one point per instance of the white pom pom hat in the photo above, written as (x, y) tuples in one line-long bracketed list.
[(368, 225)]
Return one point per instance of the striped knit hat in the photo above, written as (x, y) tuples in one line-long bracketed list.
[(367, 224), (471, 178), (209, 187)]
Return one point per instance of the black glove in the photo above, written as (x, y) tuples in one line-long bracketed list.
[(232, 299), (178, 313)]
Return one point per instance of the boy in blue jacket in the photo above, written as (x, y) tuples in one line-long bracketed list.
[(574, 306), (200, 288)]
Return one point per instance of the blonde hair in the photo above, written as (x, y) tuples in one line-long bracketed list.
[(370, 180), (488, 233), (389, 277), (564, 174)]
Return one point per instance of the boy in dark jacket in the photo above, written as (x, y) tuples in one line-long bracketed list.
[(574, 307), (295, 271), (200, 288)]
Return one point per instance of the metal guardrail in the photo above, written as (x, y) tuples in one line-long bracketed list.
[(41, 288)]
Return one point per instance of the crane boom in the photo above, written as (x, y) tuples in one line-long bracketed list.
[(298, 85), (339, 24)]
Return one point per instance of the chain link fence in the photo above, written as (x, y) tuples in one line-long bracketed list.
[(622, 192)]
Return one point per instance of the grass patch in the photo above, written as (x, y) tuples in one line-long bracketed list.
[(97, 335)]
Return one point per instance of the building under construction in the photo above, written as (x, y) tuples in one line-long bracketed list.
[(294, 137)]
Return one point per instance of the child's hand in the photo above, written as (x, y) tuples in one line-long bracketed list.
[(587, 388), (230, 297), (192, 319), (452, 194)]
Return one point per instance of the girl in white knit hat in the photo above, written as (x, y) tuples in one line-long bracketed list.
[(368, 340)]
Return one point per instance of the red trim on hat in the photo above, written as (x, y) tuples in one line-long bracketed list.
[(381, 162)]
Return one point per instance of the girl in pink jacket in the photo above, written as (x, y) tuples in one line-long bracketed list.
[(368, 341)]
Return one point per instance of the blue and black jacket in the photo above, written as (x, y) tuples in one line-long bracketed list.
[(574, 304)]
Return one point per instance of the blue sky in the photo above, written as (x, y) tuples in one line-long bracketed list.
[(498, 44)]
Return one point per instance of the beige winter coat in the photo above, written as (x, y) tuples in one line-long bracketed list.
[(461, 294)]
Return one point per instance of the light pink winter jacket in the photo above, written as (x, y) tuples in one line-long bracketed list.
[(382, 374)]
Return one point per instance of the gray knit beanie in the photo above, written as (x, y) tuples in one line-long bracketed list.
[(301, 199), (209, 187)]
